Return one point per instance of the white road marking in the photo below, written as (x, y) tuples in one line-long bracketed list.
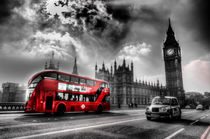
[(206, 133), (78, 128), (204, 116), (137, 114), (175, 133), (199, 119), (128, 110), (194, 122), (189, 111)]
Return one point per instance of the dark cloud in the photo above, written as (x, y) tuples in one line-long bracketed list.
[(6, 7), (122, 13), (141, 21), (201, 18), (196, 20)]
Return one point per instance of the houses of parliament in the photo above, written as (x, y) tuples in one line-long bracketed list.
[(125, 91)]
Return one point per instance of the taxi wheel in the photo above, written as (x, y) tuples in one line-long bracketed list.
[(148, 118), (180, 115), (171, 116)]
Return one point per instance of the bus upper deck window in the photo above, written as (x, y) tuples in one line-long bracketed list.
[(90, 82), (35, 81), (50, 75), (74, 79), (83, 81), (63, 77)]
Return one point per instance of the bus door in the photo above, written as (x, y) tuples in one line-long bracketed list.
[(49, 101), (106, 102)]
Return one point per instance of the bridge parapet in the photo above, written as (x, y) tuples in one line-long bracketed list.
[(12, 106)]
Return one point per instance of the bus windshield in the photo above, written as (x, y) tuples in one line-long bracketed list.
[(35, 81), (48, 75)]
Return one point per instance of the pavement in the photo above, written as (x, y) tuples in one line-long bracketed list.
[(115, 124)]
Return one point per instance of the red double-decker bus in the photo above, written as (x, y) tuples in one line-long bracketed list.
[(58, 92)]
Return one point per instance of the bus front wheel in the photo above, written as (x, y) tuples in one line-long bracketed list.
[(61, 109), (99, 109)]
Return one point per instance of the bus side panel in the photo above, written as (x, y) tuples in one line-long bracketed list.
[(37, 96), (30, 107)]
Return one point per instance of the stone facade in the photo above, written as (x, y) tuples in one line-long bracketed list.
[(13, 92), (125, 91)]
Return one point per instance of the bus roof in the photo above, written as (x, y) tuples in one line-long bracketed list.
[(59, 72)]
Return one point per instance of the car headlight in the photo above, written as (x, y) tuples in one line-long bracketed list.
[(147, 109), (164, 109)]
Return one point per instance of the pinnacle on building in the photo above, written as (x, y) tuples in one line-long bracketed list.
[(51, 65), (75, 67)]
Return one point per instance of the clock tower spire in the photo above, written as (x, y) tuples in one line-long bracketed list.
[(173, 67)]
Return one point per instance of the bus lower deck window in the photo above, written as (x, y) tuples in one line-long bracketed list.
[(59, 96)]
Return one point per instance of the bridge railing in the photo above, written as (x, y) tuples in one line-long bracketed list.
[(12, 106)]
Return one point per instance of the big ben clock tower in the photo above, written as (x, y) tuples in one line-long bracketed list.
[(173, 67)]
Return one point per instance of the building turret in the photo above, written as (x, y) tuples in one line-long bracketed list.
[(115, 66), (132, 66), (96, 67), (45, 67), (103, 66), (111, 70), (58, 65), (51, 65), (75, 67), (170, 39), (124, 64), (158, 83)]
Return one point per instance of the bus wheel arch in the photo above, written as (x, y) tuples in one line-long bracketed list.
[(61, 108), (99, 109)]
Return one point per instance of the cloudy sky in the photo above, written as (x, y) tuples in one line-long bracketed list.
[(97, 31)]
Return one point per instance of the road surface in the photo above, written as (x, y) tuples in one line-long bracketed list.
[(118, 124)]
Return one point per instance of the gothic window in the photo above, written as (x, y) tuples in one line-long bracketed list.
[(176, 62), (127, 100)]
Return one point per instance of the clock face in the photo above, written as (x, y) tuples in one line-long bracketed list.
[(170, 52)]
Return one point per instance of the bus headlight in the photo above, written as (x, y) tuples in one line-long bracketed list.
[(28, 94)]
